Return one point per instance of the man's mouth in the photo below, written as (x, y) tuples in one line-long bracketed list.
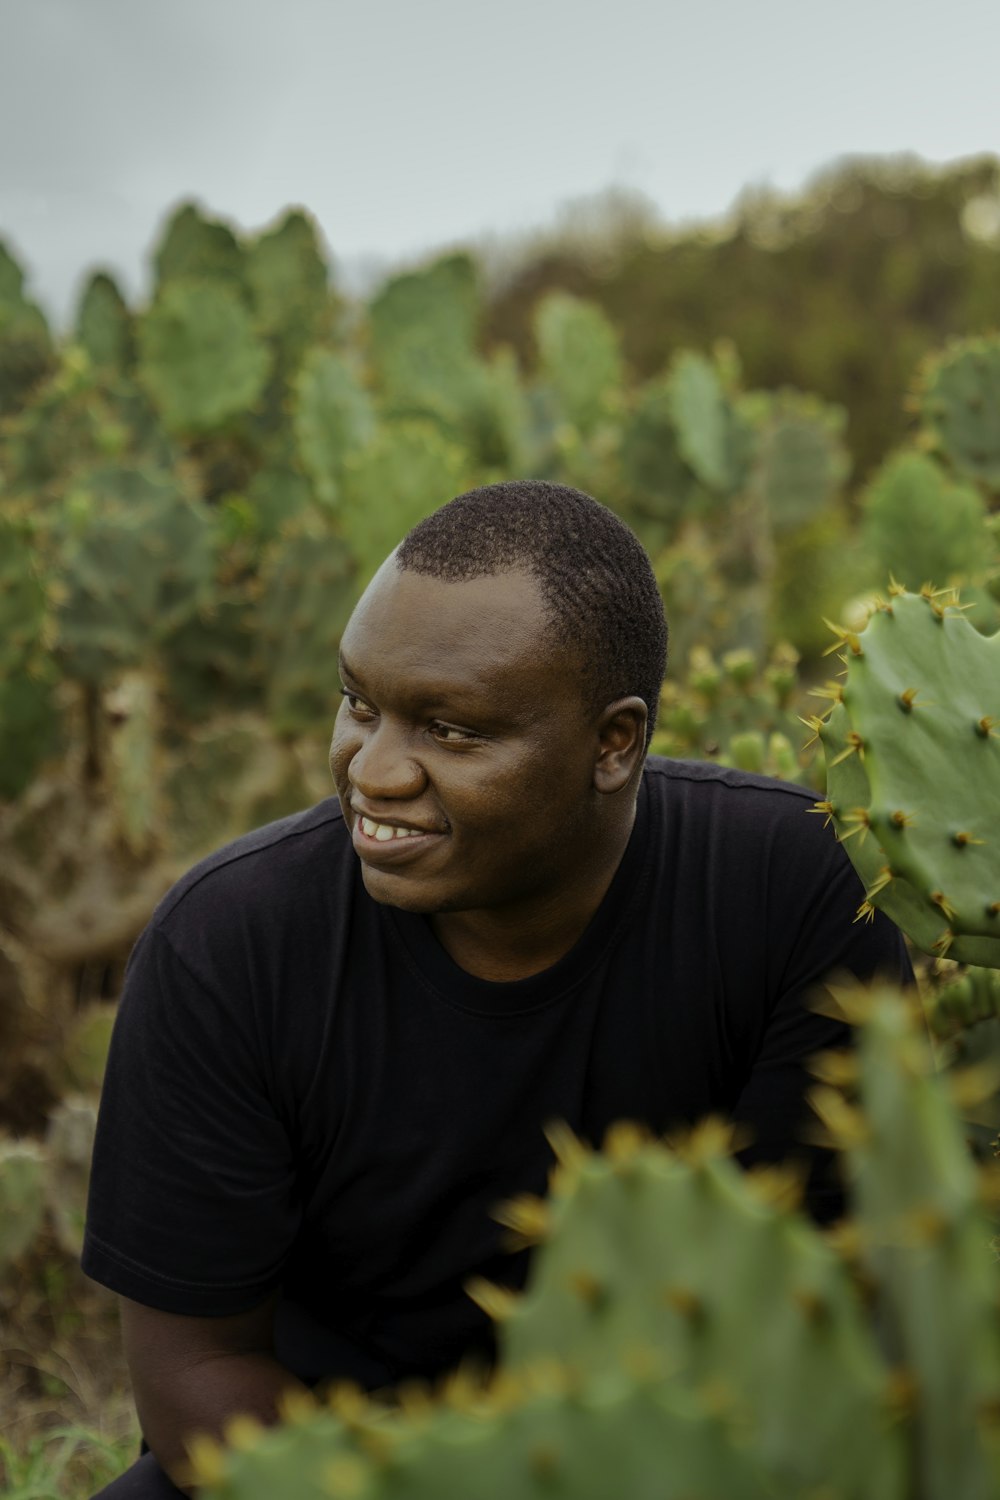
[(383, 832)]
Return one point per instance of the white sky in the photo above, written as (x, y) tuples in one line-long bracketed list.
[(410, 124)]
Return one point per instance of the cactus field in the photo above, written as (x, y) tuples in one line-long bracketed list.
[(193, 492)]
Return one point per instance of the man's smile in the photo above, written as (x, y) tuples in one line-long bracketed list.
[(380, 841)]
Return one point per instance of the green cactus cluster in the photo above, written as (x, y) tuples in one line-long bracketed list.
[(687, 1331), (958, 398), (43, 1183), (733, 710), (913, 772)]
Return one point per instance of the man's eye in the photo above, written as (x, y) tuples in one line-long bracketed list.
[(357, 705), (451, 735)]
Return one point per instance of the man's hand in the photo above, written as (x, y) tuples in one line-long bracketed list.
[(192, 1375)]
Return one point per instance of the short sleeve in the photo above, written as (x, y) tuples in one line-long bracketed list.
[(824, 941), (192, 1205)]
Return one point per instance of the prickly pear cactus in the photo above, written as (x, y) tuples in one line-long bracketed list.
[(923, 1234), (659, 1256), (333, 418), (199, 356), (962, 1002), (918, 523), (22, 1198), (538, 1438), (913, 773), (959, 401), (686, 1332), (800, 460), (579, 358), (104, 324), (714, 438)]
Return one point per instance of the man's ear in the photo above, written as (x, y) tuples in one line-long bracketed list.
[(621, 732)]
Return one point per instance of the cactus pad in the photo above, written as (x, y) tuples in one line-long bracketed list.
[(959, 401), (200, 359), (913, 774)]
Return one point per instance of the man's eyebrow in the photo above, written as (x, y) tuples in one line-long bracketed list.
[(344, 665)]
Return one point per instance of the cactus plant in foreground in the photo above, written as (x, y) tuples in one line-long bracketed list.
[(686, 1331), (913, 768)]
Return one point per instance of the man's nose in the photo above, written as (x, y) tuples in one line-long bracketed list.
[(383, 765)]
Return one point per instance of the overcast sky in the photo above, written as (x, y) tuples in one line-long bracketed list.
[(410, 124)]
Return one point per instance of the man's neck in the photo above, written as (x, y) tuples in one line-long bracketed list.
[(513, 943)]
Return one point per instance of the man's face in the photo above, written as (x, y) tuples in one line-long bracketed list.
[(462, 752)]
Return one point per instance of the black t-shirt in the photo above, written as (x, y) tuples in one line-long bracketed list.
[(304, 1092)]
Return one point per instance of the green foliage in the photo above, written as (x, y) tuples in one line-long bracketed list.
[(732, 709), (712, 436), (919, 524), (136, 556), (959, 401), (579, 359), (26, 354), (913, 773), (408, 470), (104, 324), (800, 461), (199, 356), (289, 284), (22, 1198), (195, 246), (333, 418), (308, 589)]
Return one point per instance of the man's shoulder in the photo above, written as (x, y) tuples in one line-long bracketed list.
[(263, 868), (702, 782)]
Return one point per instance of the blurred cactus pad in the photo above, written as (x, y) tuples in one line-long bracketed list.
[(686, 1332)]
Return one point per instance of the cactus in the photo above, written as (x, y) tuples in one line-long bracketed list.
[(734, 711), (69, 1143), (333, 418), (714, 438), (199, 357), (924, 1237), (26, 354), (132, 707), (962, 1002), (657, 1255), (104, 325), (22, 1198), (289, 284), (408, 470), (543, 1439), (686, 1331), (195, 246), (308, 584), (958, 398), (920, 524), (913, 765), (800, 461), (659, 487), (127, 525), (579, 359)]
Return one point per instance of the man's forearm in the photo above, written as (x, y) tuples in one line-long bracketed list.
[(203, 1397)]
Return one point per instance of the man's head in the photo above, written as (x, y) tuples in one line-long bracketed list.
[(494, 721), (598, 586)]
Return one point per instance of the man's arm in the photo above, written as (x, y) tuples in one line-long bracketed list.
[(192, 1375)]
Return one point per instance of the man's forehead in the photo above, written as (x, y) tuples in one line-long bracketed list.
[(456, 631)]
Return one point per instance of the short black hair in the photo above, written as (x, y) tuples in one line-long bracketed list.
[(596, 580)]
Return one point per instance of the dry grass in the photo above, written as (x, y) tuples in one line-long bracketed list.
[(68, 1422)]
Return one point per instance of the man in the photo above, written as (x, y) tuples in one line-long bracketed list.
[(342, 1037)]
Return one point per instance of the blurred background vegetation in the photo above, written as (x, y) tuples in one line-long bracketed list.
[(194, 491)]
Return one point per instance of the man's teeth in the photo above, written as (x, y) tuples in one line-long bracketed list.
[(385, 831)]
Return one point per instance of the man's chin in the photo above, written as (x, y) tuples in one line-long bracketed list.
[(406, 895)]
